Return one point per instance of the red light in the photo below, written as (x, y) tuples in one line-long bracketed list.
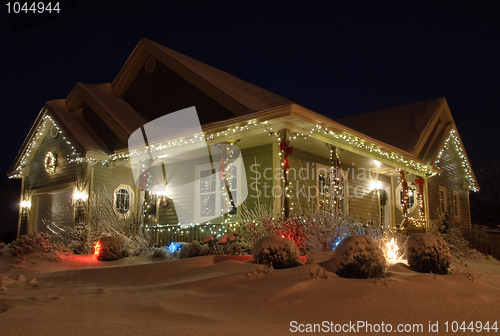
[(97, 248), (282, 236)]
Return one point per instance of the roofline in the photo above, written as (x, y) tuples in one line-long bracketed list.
[(27, 140), (146, 48), (315, 117), (46, 110), (307, 115), (449, 128), (428, 130)]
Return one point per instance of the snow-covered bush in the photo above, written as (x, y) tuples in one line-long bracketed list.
[(357, 257), (112, 248), (327, 229), (260, 222), (312, 231), (95, 219), (35, 242), (194, 249), (426, 253), (231, 243), (276, 251)]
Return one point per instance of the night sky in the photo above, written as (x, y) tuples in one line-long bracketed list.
[(338, 59)]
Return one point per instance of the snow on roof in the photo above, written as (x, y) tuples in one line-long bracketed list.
[(254, 98), (400, 126), (77, 131), (121, 112)]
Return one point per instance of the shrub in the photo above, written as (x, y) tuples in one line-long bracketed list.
[(358, 257), (427, 253), (97, 219), (112, 248), (194, 249), (276, 251), (316, 231), (36, 242)]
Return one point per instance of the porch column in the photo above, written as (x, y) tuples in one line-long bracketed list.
[(404, 184), (277, 181), (285, 151)]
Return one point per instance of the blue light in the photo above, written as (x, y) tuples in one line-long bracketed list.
[(172, 248)]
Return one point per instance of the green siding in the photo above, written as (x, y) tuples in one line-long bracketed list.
[(451, 177), (65, 171), (303, 178), (109, 178), (181, 207), (262, 156)]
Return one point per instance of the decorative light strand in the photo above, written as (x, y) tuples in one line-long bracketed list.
[(453, 137)]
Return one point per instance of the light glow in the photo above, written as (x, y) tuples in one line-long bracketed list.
[(375, 185), (391, 252), (80, 196), (97, 248), (25, 204)]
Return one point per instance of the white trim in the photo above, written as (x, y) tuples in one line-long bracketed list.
[(456, 204), (321, 166), (218, 187), (398, 196), (131, 201)]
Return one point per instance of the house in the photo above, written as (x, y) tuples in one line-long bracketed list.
[(403, 166)]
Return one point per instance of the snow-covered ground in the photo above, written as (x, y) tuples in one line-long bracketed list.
[(213, 295)]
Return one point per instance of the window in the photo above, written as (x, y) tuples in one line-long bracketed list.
[(212, 196), (442, 199), (123, 200), (411, 203), (327, 192), (456, 204)]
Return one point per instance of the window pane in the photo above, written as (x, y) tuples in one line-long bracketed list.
[(207, 205), (122, 201)]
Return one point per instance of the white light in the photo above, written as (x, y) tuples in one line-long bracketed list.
[(25, 204), (375, 185), (161, 191), (80, 196)]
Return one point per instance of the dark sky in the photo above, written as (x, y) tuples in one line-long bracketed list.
[(339, 59)]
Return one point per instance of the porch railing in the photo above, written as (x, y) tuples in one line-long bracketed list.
[(165, 235)]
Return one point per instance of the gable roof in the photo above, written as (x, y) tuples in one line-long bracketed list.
[(243, 96), (401, 126), (98, 120)]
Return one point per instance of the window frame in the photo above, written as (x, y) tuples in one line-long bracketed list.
[(320, 166), (218, 190), (397, 195), (443, 201), (131, 200), (456, 204)]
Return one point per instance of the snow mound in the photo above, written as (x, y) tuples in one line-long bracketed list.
[(357, 257), (427, 253), (112, 248), (276, 251), (194, 249)]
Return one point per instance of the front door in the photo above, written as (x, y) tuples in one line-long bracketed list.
[(386, 205)]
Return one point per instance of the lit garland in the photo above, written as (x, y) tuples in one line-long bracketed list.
[(404, 185), (47, 120), (348, 139), (420, 196), (453, 137)]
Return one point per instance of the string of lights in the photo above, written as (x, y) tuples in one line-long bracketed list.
[(453, 138)]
